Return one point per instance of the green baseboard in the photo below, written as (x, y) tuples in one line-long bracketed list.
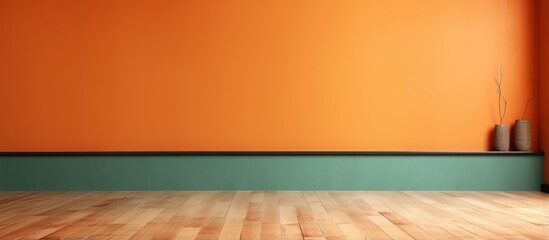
[(276, 172)]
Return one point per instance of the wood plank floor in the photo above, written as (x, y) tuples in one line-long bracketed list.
[(274, 215)]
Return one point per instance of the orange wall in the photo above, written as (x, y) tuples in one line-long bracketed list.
[(261, 75), (543, 93)]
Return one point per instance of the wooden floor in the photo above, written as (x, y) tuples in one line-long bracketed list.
[(274, 215)]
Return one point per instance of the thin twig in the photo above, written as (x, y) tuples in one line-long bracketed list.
[(529, 100), (500, 96)]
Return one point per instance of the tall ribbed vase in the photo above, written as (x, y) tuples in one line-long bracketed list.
[(521, 135), (501, 137)]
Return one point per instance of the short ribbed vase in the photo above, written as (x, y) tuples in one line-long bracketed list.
[(501, 137), (521, 135)]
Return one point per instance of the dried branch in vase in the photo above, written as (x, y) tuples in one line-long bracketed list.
[(501, 97), (531, 99)]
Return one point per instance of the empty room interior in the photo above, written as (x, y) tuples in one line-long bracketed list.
[(275, 119)]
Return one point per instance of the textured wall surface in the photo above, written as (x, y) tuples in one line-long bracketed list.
[(97, 75)]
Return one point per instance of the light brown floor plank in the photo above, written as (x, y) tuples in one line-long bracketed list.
[(274, 215)]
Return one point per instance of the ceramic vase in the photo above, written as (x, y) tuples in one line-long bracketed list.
[(521, 135), (501, 137)]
